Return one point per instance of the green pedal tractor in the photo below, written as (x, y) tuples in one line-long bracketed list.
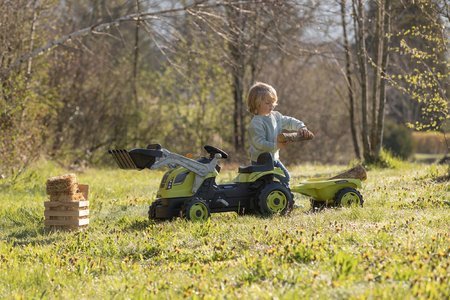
[(189, 188)]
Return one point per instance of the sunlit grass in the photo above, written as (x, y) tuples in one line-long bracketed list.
[(396, 246)]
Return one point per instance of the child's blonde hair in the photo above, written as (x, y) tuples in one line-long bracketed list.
[(258, 93)]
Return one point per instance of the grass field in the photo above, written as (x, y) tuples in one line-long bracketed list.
[(396, 247)]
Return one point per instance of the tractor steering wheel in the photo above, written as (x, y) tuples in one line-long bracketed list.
[(213, 150)]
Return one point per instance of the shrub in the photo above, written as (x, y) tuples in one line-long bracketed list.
[(388, 160), (397, 139), (431, 142)]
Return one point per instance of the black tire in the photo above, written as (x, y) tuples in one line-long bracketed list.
[(317, 205), (348, 197), (275, 198), (197, 210), (152, 209), (159, 211)]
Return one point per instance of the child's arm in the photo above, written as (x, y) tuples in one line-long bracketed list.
[(290, 123)]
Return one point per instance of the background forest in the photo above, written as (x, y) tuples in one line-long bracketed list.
[(81, 77)]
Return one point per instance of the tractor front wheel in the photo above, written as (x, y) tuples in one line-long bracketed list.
[(197, 210), (152, 211), (348, 197), (275, 198)]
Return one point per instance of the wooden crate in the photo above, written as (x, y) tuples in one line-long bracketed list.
[(68, 214)]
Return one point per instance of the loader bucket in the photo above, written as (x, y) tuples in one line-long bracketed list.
[(136, 158)]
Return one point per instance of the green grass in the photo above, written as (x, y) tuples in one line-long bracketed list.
[(397, 246)]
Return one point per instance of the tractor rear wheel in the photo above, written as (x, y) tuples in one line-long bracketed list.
[(197, 210), (275, 198), (348, 197)]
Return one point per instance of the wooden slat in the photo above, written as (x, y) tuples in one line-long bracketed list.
[(67, 228), (79, 222), (66, 213), (66, 204), (84, 189)]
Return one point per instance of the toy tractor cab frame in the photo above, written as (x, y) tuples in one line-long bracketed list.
[(189, 189)]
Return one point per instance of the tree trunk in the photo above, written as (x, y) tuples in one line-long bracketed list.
[(237, 114), (237, 53), (376, 64), (242, 116), (30, 60), (32, 34), (361, 47), (384, 63), (348, 73), (136, 57)]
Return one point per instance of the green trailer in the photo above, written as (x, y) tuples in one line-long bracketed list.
[(331, 192)]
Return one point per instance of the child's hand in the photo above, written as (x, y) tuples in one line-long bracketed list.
[(281, 145), (305, 134), (281, 141)]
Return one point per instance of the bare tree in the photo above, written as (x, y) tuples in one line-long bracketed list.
[(372, 130), (350, 86), (360, 29), (385, 22)]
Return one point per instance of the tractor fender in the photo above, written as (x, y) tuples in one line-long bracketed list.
[(252, 177)]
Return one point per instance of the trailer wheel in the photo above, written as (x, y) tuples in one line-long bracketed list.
[(275, 198), (348, 197), (317, 205), (197, 210)]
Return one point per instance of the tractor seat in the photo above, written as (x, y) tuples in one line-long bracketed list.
[(263, 164)]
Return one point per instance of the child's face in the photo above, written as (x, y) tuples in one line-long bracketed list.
[(266, 107)]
